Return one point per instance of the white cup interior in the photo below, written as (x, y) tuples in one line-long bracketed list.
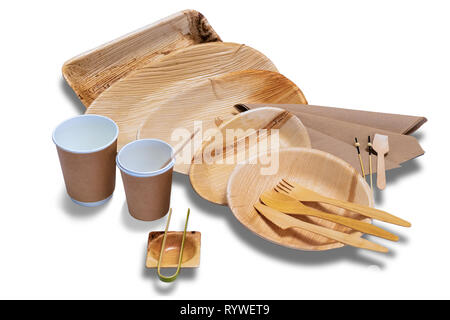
[(85, 134), (145, 157)]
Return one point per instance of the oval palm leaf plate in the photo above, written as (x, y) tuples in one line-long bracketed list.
[(208, 103), (242, 138), (313, 169), (91, 73), (130, 100)]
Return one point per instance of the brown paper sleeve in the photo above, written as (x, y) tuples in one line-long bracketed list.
[(148, 198), (89, 177)]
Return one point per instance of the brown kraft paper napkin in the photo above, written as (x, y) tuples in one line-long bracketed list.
[(402, 124), (345, 151), (401, 147)]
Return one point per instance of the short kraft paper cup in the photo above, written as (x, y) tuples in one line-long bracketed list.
[(87, 148), (147, 183)]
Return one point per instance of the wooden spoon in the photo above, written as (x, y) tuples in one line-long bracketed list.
[(286, 204), (381, 146)]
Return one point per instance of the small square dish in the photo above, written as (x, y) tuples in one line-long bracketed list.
[(191, 255)]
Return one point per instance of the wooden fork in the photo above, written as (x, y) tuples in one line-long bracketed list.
[(286, 204), (285, 221), (302, 194)]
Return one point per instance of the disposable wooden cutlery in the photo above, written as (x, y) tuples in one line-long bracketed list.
[(286, 204), (357, 145), (302, 194), (329, 175), (285, 221), (369, 145), (381, 146)]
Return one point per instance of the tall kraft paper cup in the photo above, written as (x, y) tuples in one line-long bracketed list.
[(147, 183), (87, 148)]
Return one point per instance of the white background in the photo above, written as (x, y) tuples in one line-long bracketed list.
[(390, 56)]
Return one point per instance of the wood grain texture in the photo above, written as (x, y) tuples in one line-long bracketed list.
[(91, 73), (211, 101), (286, 222), (132, 99), (381, 172), (210, 179), (381, 146), (191, 255), (301, 193), (316, 170), (286, 204)]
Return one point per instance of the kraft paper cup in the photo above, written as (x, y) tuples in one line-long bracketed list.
[(87, 148), (147, 185)]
